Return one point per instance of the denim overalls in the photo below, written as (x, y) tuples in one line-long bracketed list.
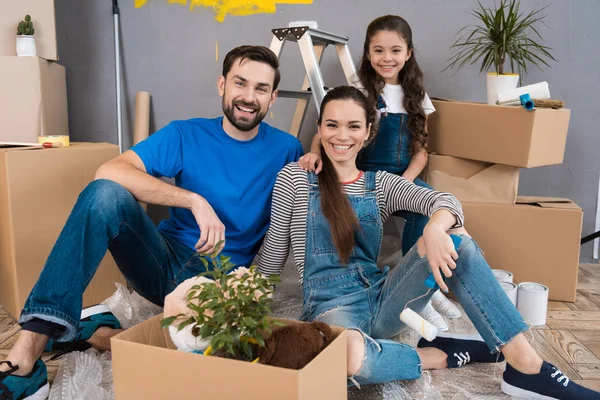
[(391, 152), (359, 296)]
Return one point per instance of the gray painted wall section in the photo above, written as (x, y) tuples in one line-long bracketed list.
[(170, 52)]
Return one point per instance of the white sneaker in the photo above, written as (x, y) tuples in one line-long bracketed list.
[(432, 316), (445, 306)]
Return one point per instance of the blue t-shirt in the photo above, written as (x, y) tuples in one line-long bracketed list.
[(235, 177)]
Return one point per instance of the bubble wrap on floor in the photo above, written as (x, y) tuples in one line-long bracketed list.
[(88, 375), (84, 375), (130, 308), (80, 372)]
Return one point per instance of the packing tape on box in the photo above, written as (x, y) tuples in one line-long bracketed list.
[(511, 290), (54, 141), (532, 302), (502, 275)]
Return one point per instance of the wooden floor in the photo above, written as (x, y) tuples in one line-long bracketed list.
[(570, 339)]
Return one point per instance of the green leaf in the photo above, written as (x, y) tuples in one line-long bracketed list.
[(165, 322), (225, 259), (206, 331), (502, 37), (204, 262), (246, 349), (184, 324), (261, 341)]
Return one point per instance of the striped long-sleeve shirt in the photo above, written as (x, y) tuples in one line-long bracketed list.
[(290, 207)]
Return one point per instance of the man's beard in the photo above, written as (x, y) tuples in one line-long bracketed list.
[(243, 124)]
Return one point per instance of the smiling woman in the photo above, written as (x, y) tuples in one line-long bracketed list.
[(334, 224), (342, 137)]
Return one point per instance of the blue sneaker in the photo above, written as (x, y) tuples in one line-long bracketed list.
[(92, 318), (462, 349), (550, 383), (34, 386)]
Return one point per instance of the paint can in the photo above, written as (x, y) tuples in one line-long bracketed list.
[(502, 275), (533, 302), (511, 290)]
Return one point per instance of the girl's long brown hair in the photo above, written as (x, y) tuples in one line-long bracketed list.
[(334, 203), (410, 77)]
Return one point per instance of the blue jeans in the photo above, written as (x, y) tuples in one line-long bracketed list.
[(106, 217), (366, 299), (359, 296)]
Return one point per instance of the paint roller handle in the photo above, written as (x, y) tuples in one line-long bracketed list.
[(430, 281), (526, 101)]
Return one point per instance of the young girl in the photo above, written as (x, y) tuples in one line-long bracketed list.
[(391, 78), (334, 225)]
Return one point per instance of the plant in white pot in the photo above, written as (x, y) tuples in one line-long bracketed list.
[(25, 38), (502, 35), (227, 307)]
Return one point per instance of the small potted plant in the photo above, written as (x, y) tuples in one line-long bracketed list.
[(25, 38), (503, 35), (230, 309)]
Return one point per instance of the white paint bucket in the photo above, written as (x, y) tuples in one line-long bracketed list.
[(511, 291), (502, 275), (533, 302)]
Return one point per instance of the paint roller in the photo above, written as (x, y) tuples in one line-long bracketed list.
[(536, 91), (418, 324), (414, 320), (523, 95)]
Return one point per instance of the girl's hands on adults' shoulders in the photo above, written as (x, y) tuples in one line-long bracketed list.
[(311, 162)]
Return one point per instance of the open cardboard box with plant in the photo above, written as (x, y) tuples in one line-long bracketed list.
[(229, 347)]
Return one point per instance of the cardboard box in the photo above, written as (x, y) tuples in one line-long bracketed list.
[(474, 181), (146, 365), (44, 23), (38, 189), (33, 99), (536, 239), (498, 134)]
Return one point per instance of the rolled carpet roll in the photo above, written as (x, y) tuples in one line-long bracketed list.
[(141, 127)]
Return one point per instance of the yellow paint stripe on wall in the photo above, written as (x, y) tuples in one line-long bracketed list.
[(233, 7)]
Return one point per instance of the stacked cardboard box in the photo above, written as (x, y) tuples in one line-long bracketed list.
[(38, 187), (33, 90), (478, 150)]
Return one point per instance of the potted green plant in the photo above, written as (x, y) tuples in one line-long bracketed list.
[(25, 38), (230, 309), (503, 35)]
